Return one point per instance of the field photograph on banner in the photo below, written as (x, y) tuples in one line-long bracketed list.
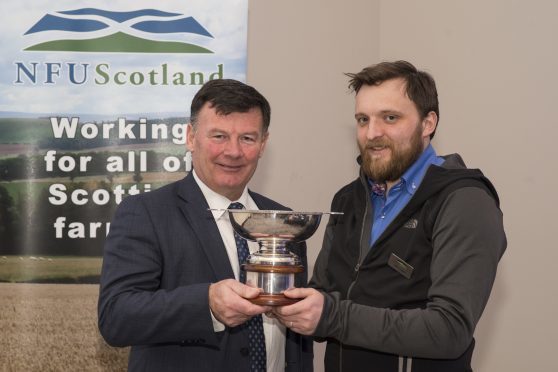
[(94, 102)]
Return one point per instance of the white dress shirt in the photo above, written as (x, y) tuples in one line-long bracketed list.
[(274, 331)]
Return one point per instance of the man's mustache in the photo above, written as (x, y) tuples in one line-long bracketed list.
[(377, 143)]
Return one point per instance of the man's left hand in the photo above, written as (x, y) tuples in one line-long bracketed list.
[(303, 316)]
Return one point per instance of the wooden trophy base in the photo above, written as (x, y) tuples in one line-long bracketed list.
[(274, 278), (273, 300)]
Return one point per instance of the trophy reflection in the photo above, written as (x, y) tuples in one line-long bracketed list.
[(273, 266)]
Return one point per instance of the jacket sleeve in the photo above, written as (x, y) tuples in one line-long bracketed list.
[(299, 349), (133, 309), (468, 241)]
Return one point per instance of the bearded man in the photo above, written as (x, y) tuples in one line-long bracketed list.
[(405, 274)]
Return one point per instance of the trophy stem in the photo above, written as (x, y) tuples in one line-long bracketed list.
[(274, 280), (273, 245)]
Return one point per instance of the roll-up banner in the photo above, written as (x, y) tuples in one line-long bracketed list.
[(94, 102)]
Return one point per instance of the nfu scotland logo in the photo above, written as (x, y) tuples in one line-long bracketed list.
[(91, 30), (120, 27)]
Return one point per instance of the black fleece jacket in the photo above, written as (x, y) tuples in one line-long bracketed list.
[(448, 239)]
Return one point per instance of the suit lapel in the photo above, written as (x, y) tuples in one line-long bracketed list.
[(195, 209)]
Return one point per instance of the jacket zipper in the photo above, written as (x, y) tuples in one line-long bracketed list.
[(355, 277)]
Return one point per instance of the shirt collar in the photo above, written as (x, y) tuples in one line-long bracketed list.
[(218, 203), (412, 177)]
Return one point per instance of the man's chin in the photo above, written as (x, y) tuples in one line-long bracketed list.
[(233, 181)]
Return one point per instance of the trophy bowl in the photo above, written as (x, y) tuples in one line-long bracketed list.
[(273, 266)]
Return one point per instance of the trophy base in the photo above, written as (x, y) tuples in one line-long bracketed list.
[(273, 280), (273, 300)]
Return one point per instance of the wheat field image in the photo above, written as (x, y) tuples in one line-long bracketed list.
[(53, 327)]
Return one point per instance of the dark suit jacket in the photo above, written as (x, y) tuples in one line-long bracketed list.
[(163, 251)]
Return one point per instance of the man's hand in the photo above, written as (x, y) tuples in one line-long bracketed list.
[(228, 300), (301, 317)]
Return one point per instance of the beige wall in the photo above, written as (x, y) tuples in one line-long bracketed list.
[(494, 62)]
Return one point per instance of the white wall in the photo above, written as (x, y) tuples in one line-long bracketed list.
[(496, 62), (495, 65), (297, 54)]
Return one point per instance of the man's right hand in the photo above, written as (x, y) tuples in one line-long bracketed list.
[(228, 300)]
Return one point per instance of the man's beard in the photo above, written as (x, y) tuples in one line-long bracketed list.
[(382, 170)]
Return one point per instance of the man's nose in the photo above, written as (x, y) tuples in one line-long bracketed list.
[(232, 147), (374, 130)]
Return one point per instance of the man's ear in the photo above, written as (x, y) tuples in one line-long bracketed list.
[(190, 132), (429, 124)]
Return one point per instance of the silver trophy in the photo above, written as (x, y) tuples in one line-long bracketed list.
[(273, 266)]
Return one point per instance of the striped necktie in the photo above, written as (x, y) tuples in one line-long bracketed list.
[(256, 338)]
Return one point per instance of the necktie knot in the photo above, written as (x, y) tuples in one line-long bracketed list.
[(236, 205)]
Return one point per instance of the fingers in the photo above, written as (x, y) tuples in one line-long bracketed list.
[(244, 290), (297, 307), (303, 316), (228, 300), (299, 292)]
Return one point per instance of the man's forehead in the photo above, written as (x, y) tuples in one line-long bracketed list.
[(389, 93), (223, 110), (379, 100), (229, 123)]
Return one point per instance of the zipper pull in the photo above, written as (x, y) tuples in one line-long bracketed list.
[(355, 273)]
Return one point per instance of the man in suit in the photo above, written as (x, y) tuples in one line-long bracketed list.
[(168, 286)]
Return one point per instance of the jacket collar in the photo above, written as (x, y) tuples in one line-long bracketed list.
[(195, 209)]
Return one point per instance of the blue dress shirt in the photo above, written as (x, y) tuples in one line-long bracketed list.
[(388, 206)]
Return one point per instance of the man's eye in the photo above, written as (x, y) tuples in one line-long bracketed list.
[(248, 139), (390, 118), (362, 120)]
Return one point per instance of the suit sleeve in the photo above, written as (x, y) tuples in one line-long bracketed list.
[(132, 308), (468, 241)]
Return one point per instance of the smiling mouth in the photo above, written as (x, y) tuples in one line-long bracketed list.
[(378, 152), (376, 149), (230, 168)]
